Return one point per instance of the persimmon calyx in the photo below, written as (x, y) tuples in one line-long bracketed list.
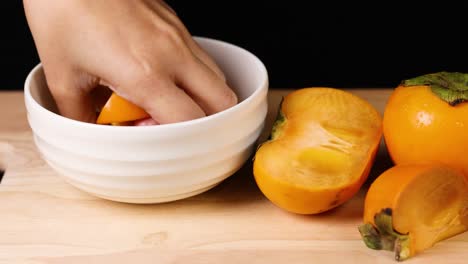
[(452, 87), (384, 237), (279, 124)]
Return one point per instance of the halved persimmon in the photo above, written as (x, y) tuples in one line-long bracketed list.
[(321, 150), (409, 208), (119, 111)]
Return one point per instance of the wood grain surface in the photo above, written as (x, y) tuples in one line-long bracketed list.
[(45, 220)]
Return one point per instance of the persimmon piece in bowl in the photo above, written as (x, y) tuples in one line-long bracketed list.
[(118, 110)]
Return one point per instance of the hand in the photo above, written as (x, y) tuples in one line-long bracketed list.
[(139, 48)]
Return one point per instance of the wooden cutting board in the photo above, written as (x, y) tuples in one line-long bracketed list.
[(45, 220)]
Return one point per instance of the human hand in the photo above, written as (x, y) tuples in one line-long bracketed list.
[(140, 49)]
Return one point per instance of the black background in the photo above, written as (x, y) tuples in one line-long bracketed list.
[(302, 43)]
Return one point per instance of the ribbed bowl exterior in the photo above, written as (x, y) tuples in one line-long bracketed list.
[(159, 163)]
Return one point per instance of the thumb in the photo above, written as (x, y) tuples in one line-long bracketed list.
[(71, 92)]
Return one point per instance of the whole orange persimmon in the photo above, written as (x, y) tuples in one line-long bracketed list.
[(426, 121)]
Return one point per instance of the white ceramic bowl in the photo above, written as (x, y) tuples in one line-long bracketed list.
[(155, 164)]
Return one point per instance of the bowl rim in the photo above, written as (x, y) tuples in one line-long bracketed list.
[(180, 125)]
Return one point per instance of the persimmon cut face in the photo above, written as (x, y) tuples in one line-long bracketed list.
[(318, 160), (430, 207), (323, 140)]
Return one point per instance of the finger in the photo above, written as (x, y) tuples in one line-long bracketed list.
[(206, 88), (170, 104), (70, 91), (204, 57), (169, 15), (163, 100)]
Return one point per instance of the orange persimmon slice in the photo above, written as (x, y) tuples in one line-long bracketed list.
[(409, 208), (118, 110)]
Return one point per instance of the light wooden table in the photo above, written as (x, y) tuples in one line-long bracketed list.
[(45, 220)]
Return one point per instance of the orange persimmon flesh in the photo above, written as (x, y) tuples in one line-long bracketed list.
[(321, 150), (409, 208), (118, 110)]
